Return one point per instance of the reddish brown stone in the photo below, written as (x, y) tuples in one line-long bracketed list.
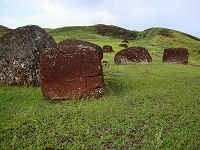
[(71, 73), (133, 55), (124, 45), (73, 42), (107, 49), (176, 55), (125, 41)]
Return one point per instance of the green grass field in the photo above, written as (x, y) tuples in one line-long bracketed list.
[(144, 107)]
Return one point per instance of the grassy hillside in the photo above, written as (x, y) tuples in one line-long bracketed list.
[(144, 107), (155, 40)]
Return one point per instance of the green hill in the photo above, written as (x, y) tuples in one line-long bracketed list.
[(155, 40), (144, 107)]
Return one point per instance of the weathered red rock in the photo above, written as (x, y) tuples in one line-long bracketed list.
[(125, 41), (133, 55), (71, 73), (124, 45), (107, 49), (176, 55), (73, 42), (20, 51)]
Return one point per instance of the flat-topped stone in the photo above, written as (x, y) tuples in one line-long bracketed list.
[(176, 55), (73, 42), (71, 73), (108, 49)]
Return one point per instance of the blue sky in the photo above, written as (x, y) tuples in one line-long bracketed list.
[(182, 15)]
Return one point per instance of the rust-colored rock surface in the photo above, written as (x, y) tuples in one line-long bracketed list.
[(176, 55), (125, 41), (20, 51), (107, 49), (133, 55), (73, 42), (124, 45), (71, 73)]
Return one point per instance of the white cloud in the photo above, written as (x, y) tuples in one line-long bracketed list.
[(131, 14), (58, 13)]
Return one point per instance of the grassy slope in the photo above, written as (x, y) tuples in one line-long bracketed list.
[(145, 106), (153, 41)]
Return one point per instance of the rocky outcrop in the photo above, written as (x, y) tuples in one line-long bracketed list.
[(73, 42), (71, 73), (133, 55), (176, 55), (20, 52)]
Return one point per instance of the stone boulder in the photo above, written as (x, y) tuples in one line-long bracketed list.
[(123, 45), (133, 55), (105, 63), (73, 42), (176, 55), (107, 49), (71, 73), (125, 41), (20, 51)]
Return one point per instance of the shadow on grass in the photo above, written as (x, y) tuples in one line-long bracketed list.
[(114, 86)]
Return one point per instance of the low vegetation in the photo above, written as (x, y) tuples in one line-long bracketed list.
[(144, 107), (4, 30)]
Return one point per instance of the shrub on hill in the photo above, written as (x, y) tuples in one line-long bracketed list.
[(116, 32), (165, 32)]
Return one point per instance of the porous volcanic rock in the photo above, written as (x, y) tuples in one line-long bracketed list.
[(176, 55), (125, 41), (73, 42), (20, 51), (107, 49), (71, 73), (105, 63), (124, 45), (133, 55)]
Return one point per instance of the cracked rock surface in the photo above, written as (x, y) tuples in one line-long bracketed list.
[(71, 73), (20, 52), (176, 55), (133, 55), (79, 43)]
